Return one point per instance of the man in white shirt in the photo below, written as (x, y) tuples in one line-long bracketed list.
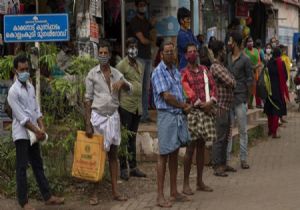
[(26, 116), (103, 85)]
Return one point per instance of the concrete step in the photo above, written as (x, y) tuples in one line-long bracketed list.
[(147, 142), (252, 116)]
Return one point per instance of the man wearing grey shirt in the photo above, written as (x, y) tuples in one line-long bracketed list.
[(240, 66), (26, 116), (103, 85)]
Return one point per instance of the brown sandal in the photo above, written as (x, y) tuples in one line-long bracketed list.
[(204, 188), (164, 204), (179, 198), (94, 200), (188, 192), (53, 200), (276, 136), (229, 169), (244, 165), (120, 198), (28, 207)]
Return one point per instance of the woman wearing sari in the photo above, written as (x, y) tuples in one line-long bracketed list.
[(254, 57)]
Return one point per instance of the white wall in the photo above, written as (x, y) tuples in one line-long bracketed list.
[(288, 23)]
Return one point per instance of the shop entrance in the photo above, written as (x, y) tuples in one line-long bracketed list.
[(259, 18)]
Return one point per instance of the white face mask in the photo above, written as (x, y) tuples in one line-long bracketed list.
[(132, 52), (103, 59), (268, 51), (142, 10)]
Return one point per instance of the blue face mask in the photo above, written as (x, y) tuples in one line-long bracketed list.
[(23, 76)]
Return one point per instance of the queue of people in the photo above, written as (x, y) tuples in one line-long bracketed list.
[(196, 106)]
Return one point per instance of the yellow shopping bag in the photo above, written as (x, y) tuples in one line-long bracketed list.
[(89, 157)]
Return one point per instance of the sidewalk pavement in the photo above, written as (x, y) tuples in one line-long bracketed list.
[(272, 182)]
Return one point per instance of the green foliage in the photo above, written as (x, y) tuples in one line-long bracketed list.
[(67, 94), (6, 65), (81, 65), (48, 54), (62, 105), (7, 159), (125, 134)]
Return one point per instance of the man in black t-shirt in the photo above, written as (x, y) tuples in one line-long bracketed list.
[(140, 28)]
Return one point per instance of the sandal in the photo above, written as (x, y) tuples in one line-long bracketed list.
[(244, 165), (284, 121), (120, 198), (179, 198), (164, 204), (220, 173), (94, 200), (188, 192), (28, 207), (229, 169), (53, 200), (276, 136), (204, 188)]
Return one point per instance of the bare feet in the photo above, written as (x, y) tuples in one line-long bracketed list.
[(27, 206), (163, 203), (187, 190), (203, 187)]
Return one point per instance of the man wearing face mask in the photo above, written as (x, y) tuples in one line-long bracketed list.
[(140, 28), (199, 87), (26, 116), (185, 35), (103, 85), (240, 66), (225, 83), (171, 122), (130, 109), (254, 57)]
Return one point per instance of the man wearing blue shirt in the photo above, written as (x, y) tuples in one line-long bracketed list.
[(185, 35), (171, 121)]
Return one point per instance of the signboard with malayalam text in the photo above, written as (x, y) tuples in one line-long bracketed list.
[(36, 28)]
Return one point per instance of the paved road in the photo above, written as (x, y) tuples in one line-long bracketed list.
[(272, 183)]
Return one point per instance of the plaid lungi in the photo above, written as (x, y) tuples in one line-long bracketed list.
[(202, 126)]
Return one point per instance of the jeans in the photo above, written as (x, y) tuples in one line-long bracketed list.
[(146, 86), (219, 148), (240, 113), (131, 122), (24, 154)]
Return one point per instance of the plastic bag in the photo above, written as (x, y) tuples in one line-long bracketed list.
[(89, 157)]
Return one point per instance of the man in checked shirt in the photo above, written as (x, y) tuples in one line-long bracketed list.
[(225, 84)]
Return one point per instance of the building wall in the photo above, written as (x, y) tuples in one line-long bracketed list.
[(288, 23)]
